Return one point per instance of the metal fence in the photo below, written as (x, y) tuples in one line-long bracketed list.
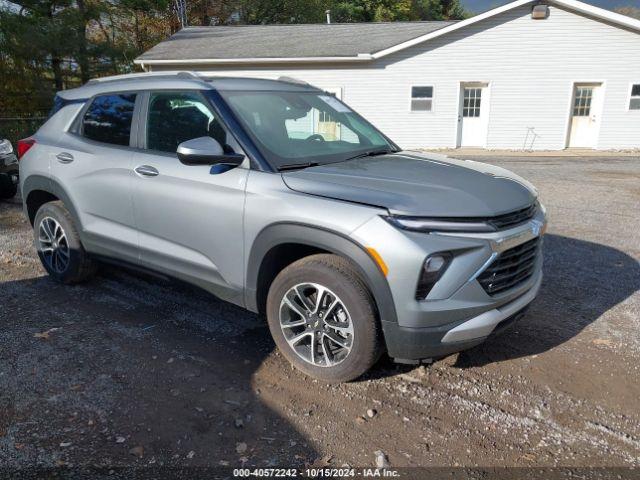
[(16, 127)]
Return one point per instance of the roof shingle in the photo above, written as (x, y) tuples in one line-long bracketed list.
[(287, 41)]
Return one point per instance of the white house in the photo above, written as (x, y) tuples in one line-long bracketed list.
[(543, 75)]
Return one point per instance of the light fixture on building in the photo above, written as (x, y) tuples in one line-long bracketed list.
[(540, 11)]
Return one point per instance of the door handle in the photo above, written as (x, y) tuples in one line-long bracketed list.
[(64, 157), (147, 171)]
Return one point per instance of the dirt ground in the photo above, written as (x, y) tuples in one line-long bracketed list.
[(130, 370)]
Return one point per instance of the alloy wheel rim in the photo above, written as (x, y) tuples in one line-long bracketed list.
[(53, 244), (316, 324)]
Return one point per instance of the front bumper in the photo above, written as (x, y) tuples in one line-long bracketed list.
[(458, 313), (411, 345)]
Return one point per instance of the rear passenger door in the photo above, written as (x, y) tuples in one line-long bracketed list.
[(93, 163), (189, 217)]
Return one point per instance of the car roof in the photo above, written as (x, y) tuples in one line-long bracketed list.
[(181, 81)]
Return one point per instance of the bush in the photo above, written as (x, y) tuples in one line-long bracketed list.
[(15, 128)]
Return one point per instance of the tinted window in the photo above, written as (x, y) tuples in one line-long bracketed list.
[(176, 117), (108, 119)]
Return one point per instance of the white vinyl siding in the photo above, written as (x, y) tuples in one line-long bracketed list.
[(532, 66)]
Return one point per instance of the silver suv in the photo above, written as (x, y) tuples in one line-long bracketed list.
[(276, 196)]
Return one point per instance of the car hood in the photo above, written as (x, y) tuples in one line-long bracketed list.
[(418, 184)]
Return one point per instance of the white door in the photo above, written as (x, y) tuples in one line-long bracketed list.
[(585, 115), (324, 124), (473, 118)]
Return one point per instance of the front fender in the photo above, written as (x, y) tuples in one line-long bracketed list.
[(328, 240)]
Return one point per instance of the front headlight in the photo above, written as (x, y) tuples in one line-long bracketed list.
[(418, 224), (5, 147)]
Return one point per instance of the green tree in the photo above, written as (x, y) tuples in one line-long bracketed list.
[(348, 11), (38, 31), (258, 12), (50, 45), (440, 10), (629, 11), (402, 10)]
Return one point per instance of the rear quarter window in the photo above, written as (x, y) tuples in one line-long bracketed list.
[(108, 119)]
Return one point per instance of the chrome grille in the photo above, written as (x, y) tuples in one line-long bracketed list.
[(512, 219), (511, 268)]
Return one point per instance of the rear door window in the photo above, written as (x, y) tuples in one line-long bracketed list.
[(108, 119)]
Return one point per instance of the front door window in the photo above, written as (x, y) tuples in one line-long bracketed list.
[(175, 117), (472, 101), (582, 102)]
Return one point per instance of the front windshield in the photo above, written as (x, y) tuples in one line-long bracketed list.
[(293, 128)]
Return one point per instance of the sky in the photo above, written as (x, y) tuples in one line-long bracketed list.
[(478, 6)]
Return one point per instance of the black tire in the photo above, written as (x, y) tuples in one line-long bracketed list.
[(79, 267), (340, 277), (8, 189)]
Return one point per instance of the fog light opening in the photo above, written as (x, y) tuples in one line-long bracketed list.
[(433, 268)]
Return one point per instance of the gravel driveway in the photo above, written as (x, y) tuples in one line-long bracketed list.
[(130, 370)]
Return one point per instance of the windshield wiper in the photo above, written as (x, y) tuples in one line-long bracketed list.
[(370, 153), (296, 166)]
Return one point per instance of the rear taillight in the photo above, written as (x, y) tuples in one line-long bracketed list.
[(24, 145)]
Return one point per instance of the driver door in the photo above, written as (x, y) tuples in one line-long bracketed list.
[(189, 219)]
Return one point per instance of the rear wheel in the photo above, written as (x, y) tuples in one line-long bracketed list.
[(59, 246), (323, 319)]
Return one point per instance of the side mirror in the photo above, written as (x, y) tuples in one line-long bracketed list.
[(206, 151)]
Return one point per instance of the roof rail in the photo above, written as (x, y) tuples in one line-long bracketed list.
[(297, 81), (127, 76), (284, 78), (189, 74)]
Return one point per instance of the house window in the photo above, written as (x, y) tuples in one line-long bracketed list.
[(634, 103), (582, 102), (421, 99)]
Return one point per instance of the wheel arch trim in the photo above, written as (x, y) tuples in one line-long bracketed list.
[(334, 242), (40, 182)]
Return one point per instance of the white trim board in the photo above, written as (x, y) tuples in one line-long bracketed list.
[(231, 61)]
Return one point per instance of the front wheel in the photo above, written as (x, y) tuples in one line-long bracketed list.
[(323, 319)]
